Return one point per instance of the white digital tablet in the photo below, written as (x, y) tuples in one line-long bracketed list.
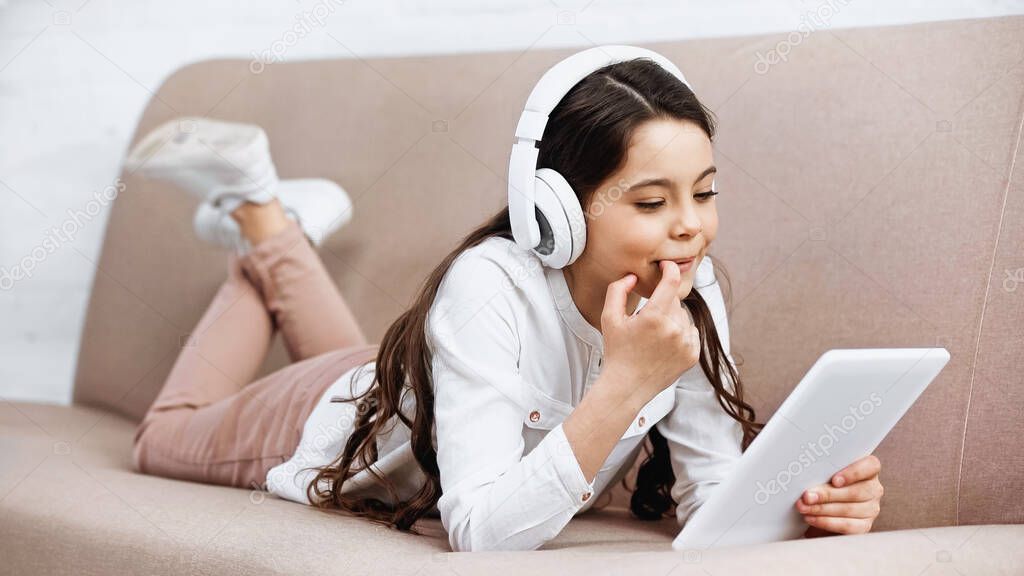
[(839, 412)]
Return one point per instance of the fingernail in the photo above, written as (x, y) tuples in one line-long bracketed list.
[(812, 497), (839, 481)]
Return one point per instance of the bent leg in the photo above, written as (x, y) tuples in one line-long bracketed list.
[(224, 351), (208, 423), (306, 305)]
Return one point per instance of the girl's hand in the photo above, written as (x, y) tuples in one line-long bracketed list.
[(652, 348), (849, 505)]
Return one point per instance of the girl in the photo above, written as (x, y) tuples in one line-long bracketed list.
[(509, 395)]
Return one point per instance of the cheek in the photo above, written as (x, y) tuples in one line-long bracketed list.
[(710, 225), (623, 243)]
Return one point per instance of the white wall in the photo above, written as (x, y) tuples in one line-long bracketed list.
[(75, 76)]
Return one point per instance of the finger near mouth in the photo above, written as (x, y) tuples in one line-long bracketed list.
[(657, 263)]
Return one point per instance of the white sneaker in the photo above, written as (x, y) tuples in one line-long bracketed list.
[(320, 207), (226, 163)]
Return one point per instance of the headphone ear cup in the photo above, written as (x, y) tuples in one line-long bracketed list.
[(561, 220)]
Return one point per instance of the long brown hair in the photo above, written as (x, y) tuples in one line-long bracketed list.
[(586, 140)]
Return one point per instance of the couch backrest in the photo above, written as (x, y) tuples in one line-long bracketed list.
[(870, 198)]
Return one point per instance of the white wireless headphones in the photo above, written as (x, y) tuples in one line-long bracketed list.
[(545, 214)]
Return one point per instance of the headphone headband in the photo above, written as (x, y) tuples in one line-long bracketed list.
[(548, 92)]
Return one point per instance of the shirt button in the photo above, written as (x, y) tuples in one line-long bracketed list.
[(586, 496), (534, 416), (642, 421)]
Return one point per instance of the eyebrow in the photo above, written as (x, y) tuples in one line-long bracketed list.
[(668, 183)]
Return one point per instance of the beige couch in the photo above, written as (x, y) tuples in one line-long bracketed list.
[(872, 196)]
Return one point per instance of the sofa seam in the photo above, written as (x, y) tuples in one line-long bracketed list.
[(984, 308)]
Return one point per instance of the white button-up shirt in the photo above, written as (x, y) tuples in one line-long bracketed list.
[(511, 358)]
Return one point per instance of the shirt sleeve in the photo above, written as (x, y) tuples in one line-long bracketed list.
[(493, 496), (704, 441)]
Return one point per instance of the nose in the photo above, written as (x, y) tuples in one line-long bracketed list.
[(688, 222)]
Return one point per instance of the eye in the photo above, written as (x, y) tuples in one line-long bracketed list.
[(649, 205)]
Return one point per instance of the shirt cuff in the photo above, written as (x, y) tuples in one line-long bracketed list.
[(567, 466)]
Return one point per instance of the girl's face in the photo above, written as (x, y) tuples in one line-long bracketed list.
[(654, 208)]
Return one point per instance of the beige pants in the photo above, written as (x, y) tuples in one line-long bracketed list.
[(211, 422)]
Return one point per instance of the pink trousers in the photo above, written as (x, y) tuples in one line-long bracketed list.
[(211, 422)]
